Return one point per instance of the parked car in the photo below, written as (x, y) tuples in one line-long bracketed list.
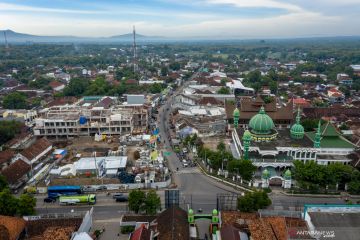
[(117, 195), (121, 199), (102, 187), (184, 150), (49, 200)]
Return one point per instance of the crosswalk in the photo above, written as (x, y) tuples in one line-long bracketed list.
[(188, 170)]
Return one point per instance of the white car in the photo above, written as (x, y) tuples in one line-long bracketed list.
[(185, 150)]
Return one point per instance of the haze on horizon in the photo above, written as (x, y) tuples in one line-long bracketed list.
[(220, 19)]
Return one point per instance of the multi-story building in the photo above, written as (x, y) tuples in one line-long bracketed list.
[(90, 116)]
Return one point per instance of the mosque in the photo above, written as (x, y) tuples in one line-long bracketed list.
[(273, 147)]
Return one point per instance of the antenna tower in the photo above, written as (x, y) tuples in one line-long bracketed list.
[(6, 44), (134, 49)]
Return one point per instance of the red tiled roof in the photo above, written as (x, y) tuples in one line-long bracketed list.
[(172, 224), (16, 171), (35, 149), (55, 84), (210, 100), (6, 156), (14, 226), (131, 81), (142, 233)]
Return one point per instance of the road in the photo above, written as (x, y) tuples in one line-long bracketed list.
[(197, 190)]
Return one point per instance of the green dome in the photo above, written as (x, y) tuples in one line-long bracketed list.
[(297, 131), (215, 212), (247, 135), (236, 112), (190, 211), (287, 175), (261, 123), (266, 174)]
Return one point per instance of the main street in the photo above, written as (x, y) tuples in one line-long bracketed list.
[(196, 189)]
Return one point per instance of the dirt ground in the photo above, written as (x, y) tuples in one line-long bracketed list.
[(212, 142), (83, 181)]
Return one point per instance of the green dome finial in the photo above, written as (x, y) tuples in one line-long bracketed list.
[(266, 174), (214, 212), (247, 135), (236, 112), (262, 110), (287, 174)]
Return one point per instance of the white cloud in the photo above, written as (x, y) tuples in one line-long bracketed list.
[(23, 8), (257, 4)]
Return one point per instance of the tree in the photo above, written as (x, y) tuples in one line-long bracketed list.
[(8, 203), (156, 88), (253, 201), (245, 168), (224, 90), (3, 183), (98, 87), (164, 71), (26, 205), (15, 100), (221, 147), (152, 203), (8, 129), (136, 200), (76, 87)]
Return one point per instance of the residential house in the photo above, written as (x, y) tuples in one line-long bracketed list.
[(335, 96), (16, 174), (5, 158), (57, 86), (36, 151)]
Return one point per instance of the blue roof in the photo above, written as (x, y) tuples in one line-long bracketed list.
[(54, 188)]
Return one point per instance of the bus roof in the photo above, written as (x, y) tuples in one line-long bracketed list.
[(57, 188), (77, 197)]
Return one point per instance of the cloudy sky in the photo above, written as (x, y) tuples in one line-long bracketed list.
[(183, 18)]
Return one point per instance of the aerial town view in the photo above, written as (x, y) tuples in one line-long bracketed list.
[(179, 120)]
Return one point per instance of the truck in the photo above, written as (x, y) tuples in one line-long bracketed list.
[(89, 199)]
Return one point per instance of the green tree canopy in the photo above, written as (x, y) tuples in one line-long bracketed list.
[(152, 203), (76, 87), (224, 90), (245, 168), (99, 87), (8, 203), (26, 205), (3, 183), (253, 201), (8, 129), (136, 200), (15, 100)]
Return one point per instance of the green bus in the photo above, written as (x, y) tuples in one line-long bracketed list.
[(77, 199)]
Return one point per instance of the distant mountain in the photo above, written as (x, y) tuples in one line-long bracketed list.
[(15, 37)]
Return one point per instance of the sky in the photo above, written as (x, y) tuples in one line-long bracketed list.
[(212, 19)]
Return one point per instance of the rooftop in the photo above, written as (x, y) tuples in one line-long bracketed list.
[(345, 225), (16, 171), (14, 226)]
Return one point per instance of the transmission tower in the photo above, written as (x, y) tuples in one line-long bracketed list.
[(6, 44), (134, 49)]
